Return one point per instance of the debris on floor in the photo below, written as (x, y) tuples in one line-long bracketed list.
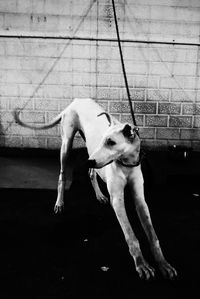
[(196, 194), (105, 268)]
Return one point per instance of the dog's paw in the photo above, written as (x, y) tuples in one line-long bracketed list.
[(167, 270), (58, 208), (145, 271), (102, 198)]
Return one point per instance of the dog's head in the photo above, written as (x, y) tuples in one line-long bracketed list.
[(121, 141)]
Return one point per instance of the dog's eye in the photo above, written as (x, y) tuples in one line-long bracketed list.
[(110, 142)]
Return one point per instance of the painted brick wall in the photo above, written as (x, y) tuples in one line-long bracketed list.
[(42, 76)]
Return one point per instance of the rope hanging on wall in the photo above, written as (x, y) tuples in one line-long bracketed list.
[(123, 65)]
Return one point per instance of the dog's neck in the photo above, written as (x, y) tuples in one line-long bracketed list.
[(127, 163)]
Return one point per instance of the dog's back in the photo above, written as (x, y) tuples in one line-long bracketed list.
[(92, 126)]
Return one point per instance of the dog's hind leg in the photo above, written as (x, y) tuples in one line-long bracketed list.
[(65, 177), (64, 152)]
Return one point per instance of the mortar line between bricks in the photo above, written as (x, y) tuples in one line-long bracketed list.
[(157, 108), (156, 134), (193, 120), (181, 111)]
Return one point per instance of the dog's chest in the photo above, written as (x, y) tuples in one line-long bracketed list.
[(113, 172)]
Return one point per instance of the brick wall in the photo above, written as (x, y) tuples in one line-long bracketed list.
[(42, 76)]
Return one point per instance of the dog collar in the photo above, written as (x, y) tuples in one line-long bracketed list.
[(128, 165), (131, 165)]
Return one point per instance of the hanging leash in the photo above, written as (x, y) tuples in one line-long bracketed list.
[(142, 153), (123, 65)]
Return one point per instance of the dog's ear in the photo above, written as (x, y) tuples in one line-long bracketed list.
[(127, 131)]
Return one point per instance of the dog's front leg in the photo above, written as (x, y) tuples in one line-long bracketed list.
[(116, 191), (137, 186)]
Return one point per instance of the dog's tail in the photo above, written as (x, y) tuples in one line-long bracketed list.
[(49, 125)]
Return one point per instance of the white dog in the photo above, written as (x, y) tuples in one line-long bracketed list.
[(114, 153)]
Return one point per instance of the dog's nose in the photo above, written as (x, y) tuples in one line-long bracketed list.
[(91, 163)]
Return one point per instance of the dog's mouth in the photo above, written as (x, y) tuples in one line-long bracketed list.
[(108, 163)]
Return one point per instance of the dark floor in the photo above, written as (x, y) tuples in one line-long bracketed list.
[(44, 255)]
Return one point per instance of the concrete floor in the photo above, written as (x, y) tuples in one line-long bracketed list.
[(28, 173), (31, 169), (44, 255)]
